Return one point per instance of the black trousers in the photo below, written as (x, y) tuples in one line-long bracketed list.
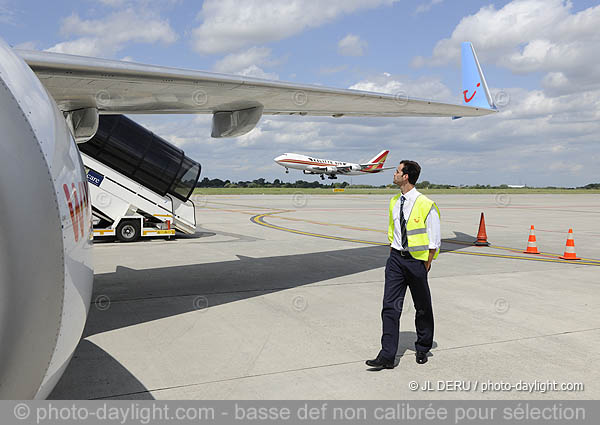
[(403, 270)]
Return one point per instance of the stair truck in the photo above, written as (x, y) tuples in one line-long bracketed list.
[(140, 185)]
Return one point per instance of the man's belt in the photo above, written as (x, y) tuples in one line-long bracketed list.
[(403, 253)]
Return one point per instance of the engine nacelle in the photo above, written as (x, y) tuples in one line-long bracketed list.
[(235, 123), (309, 172), (45, 250), (331, 170), (356, 167)]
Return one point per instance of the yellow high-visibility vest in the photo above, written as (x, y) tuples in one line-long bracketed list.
[(416, 228)]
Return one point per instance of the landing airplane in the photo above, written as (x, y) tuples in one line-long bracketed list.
[(312, 165), (49, 102)]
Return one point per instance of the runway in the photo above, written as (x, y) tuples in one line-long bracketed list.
[(279, 297)]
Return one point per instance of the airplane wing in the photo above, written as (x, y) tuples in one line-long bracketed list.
[(118, 87), (384, 168), (341, 169)]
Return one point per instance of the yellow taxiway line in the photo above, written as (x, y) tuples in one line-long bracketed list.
[(260, 220)]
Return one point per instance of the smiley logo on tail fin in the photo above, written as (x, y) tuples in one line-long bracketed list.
[(467, 100)]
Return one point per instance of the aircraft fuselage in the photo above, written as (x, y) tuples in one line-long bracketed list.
[(314, 165)]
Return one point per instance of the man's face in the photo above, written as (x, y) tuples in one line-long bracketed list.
[(399, 175)]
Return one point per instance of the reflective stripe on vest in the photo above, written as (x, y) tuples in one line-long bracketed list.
[(416, 226)]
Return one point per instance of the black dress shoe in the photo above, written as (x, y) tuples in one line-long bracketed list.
[(380, 363), (421, 357)]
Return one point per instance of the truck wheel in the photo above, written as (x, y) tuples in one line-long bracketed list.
[(128, 231)]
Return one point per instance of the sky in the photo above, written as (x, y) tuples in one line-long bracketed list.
[(540, 59)]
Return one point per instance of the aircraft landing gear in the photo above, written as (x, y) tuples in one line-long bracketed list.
[(332, 177), (322, 177), (287, 171)]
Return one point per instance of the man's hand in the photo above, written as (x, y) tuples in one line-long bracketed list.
[(430, 259)]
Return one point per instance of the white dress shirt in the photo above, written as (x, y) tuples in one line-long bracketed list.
[(432, 222)]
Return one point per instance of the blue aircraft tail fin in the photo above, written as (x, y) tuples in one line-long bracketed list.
[(475, 89)]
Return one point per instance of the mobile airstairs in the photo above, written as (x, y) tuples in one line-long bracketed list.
[(140, 185)]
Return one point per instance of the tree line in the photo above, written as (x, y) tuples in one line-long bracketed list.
[(206, 182)]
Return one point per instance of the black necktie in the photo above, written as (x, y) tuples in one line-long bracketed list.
[(403, 224)]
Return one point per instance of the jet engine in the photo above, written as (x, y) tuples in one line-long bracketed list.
[(45, 264)]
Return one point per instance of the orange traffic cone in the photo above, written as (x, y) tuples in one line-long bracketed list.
[(531, 245), (481, 235), (570, 248)]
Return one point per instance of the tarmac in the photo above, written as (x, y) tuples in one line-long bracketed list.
[(279, 297)]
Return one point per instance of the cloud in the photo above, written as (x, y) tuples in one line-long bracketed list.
[(229, 25), (427, 6), (257, 72), (352, 45), (107, 36), (528, 36), (247, 63), (421, 88), (237, 61)]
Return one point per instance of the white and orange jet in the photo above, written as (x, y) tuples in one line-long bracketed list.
[(312, 165)]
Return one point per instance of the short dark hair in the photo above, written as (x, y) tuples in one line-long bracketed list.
[(412, 169)]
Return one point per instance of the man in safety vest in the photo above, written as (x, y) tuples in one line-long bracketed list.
[(414, 235)]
